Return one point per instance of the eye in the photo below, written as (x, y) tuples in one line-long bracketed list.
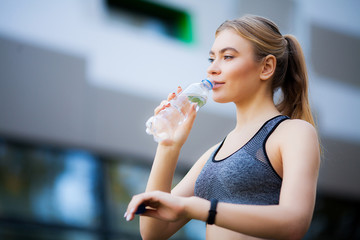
[(210, 60), (228, 57)]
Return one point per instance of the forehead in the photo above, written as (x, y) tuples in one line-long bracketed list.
[(228, 38)]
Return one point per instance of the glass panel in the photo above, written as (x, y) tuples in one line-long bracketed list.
[(48, 185), (124, 180), (36, 233)]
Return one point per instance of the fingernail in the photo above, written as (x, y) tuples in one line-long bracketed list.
[(128, 218), (125, 214)]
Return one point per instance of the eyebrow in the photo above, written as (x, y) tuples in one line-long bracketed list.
[(224, 50)]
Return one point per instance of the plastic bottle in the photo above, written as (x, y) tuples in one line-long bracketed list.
[(163, 125)]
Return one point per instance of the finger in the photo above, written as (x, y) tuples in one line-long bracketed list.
[(133, 206), (138, 204), (162, 106), (171, 96), (129, 214), (191, 117), (179, 89)]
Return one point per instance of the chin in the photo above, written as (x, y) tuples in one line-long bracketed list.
[(220, 100)]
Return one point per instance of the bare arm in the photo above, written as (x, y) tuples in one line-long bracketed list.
[(161, 177), (153, 228)]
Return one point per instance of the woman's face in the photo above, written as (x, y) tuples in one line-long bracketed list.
[(232, 67)]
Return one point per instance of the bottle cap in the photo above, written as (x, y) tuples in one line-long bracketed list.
[(208, 82)]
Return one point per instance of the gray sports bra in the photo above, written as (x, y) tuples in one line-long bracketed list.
[(246, 176)]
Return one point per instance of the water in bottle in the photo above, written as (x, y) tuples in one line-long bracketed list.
[(163, 125)]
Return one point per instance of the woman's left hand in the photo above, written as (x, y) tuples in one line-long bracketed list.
[(159, 205)]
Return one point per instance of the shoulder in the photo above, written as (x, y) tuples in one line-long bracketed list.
[(298, 138), (297, 128)]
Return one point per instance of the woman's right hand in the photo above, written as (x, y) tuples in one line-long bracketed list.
[(183, 131)]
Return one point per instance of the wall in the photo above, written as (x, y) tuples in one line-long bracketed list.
[(89, 80)]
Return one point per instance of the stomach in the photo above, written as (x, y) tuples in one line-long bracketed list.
[(214, 232)]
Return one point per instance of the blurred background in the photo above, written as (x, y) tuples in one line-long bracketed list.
[(79, 78)]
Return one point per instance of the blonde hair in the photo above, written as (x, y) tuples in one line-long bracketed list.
[(290, 75)]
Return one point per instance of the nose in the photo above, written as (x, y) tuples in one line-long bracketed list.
[(213, 69)]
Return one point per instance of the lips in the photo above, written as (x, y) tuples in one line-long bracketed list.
[(218, 84)]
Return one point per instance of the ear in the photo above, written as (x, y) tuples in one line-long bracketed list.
[(268, 67)]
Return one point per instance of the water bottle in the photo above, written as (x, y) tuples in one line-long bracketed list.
[(163, 125)]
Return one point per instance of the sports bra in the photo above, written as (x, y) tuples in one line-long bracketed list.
[(244, 177)]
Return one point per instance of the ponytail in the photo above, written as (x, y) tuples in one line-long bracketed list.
[(295, 102)]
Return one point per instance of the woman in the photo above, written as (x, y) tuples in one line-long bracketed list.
[(260, 182)]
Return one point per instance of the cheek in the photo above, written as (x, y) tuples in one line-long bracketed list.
[(244, 70), (241, 78), (244, 79)]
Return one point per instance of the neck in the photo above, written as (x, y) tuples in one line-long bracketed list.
[(255, 111)]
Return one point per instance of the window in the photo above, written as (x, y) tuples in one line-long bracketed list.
[(49, 192), (155, 16)]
